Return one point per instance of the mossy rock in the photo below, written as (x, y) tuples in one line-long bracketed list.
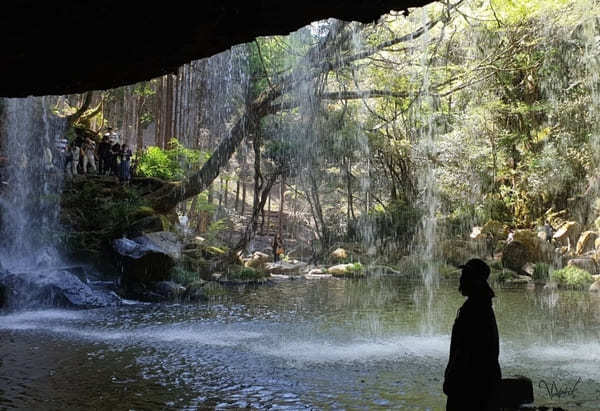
[(141, 212), (196, 291), (532, 242), (572, 277), (347, 270), (515, 255), (236, 273), (149, 224)]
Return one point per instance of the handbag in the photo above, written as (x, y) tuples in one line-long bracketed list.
[(279, 250)]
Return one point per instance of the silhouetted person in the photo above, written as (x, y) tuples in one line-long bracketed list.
[(549, 230), (473, 372), (104, 155)]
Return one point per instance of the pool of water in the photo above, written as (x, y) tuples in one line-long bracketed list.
[(375, 343)]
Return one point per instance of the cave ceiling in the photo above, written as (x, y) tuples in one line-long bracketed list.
[(54, 47)]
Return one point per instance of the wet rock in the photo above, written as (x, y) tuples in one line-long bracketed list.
[(170, 290), (148, 224), (514, 256), (148, 258), (587, 264), (518, 280), (586, 242), (341, 270), (317, 274), (476, 233), (536, 248), (568, 233), (258, 261), (456, 252), (285, 267), (339, 254), (195, 292), (49, 288), (309, 276), (551, 285)]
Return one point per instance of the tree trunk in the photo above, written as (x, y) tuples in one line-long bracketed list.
[(237, 194), (252, 225), (281, 200), (72, 119)]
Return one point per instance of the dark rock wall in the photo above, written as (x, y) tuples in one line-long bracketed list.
[(68, 47)]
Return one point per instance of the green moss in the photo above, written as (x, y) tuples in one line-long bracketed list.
[(448, 272), (184, 277), (245, 274), (496, 265), (213, 289), (95, 211), (500, 276), (572, 277)]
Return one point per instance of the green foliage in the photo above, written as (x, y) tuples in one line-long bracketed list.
[(398, 221), (95, 216), (541, 272), (174, 163), (184, 277), (239, 273), (500, 276), (572, 277)]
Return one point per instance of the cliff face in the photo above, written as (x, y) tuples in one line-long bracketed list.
[(74, 46)]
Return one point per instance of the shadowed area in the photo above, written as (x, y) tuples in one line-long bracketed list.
[(145, 41)]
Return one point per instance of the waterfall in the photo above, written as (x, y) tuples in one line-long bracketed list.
[(31, 183)]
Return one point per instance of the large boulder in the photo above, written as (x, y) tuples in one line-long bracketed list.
[(258, 261), (52, 288), (339, 254), (170, 290), (514, 256), (196, 291), (148, 258), (568, 233), (595, 287), (532, 242), (285, 267), (456, 252), (585, 263), (586, 242), (343, 270), (495, 228)]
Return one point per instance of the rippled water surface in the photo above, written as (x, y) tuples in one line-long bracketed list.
[(325, 344)]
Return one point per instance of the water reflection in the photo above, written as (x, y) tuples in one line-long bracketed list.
[(321, 344)]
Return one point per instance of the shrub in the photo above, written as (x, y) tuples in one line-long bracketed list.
[(182, 276), (572, 277), (245, 274), (541, 272), (174, 163)]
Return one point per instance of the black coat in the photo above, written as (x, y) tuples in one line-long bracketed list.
[(473, 371)]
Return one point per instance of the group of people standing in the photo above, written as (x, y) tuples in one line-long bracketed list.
[(112, 158)]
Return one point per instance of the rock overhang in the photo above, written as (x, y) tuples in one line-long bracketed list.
[(53, 48)]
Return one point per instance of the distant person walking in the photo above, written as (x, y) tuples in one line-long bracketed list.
[(549, 230), (89, 150), (125, 154), (115, 152), (104, 155), (473, 372), (277, 247)]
